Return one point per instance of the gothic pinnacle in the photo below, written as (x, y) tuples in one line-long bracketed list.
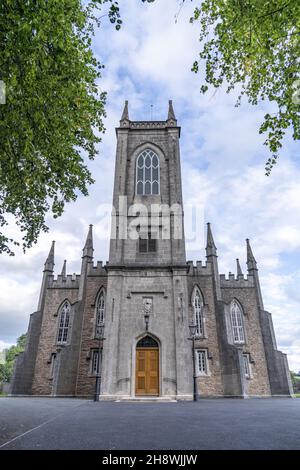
[(171, 114), (211, 249), (125, 115), (238, 268), (88, 247), (251, 261), (64, 269), (49, 264)]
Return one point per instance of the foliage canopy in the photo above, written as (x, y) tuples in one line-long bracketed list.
[(53, 115), (6, 369)]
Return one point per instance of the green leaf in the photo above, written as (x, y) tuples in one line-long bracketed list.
[(53, 117)]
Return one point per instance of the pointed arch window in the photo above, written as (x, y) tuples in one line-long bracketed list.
[(64, 323), (201, 362), (198, 314), (96, 362), (147, 173), (236, 316), (147, 342), (100, 312)]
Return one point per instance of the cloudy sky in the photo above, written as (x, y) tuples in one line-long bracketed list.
[(148, 62)]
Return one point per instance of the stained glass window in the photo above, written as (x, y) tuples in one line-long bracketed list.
[(246, 365), (198, 312), (96, 358), (147, 342), (147, 245), (52, 366), (147, 173), (201, 361), (64, 322), (236, 316), (100, 312)]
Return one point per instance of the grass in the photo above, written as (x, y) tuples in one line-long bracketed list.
[(297, 395)]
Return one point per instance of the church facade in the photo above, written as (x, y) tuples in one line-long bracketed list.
[(127, 325)]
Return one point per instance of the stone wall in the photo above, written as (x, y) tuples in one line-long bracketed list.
[(210, 385), (67, 357), (24, 366), (85, 385), (42, 383), (259, 382), (164, 142), (125, 325), (279, 374)]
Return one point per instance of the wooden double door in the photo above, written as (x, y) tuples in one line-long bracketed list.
[(147, 371)]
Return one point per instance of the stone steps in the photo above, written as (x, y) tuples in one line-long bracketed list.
[(147, 400)]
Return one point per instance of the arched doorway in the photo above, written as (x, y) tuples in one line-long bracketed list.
[(147, 367)]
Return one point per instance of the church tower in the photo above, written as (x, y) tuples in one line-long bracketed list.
[(146, 320), (147, 223)]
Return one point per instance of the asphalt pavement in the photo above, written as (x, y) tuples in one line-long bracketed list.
[(54, 423)]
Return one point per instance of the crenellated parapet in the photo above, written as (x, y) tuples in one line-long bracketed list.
[(71, 281), (171, 121), (97, 270), (199, 269), (236, 282)]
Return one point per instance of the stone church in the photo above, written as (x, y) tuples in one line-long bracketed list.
[(127, 324)]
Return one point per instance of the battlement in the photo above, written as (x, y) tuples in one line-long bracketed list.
[(71, 281), (136, 125), (199, 269), (236, 282), (97, 270)]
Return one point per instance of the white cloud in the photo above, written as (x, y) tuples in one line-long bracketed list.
[(4, 345)]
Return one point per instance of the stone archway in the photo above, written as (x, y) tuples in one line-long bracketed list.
[(147, 367)]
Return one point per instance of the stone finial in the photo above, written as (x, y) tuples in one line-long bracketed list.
[(251, 261), (49, 264), (239, 271), (125, 115), (88, 247), (211, 249), (64, 269), (171, 114)]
